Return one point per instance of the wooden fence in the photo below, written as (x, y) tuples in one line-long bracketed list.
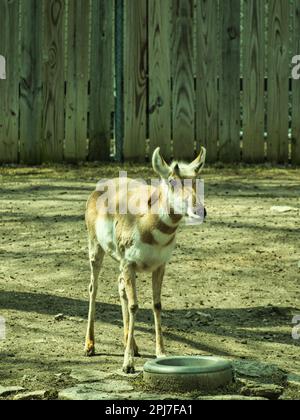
[(209, 72)]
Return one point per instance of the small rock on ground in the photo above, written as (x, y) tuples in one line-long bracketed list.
[(268, 373), (268, 391), (36, 395), (231, 398), (89, 375), (106, 390), (293, 380), (143, 396), (73, 394), (6, 391), (59, 317), (282, 209)]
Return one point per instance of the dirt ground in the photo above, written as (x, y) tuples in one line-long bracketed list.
[(231, 289)]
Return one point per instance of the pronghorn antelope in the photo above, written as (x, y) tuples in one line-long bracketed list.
[(140, 242)]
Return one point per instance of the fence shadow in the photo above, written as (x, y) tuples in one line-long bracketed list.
[(221, 321)]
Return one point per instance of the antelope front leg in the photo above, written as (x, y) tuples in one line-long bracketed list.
[(125, 313), (96, 259), (157, 280), (130, 288)]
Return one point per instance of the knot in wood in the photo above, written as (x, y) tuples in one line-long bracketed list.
[(232, 32)]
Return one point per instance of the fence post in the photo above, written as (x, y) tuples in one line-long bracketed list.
[(296, 89), (101, 80), (230, 111), (53, 127), (9, 88), (159, 76), (254, 81), (183, 79), (135, 79), (76, 145), (278, 81), (119, 79), (31, 82), (207, 106)]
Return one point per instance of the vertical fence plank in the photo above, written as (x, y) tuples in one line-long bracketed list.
[(183, 79), (119, 79), (9, 88), (31, 82), (278, 81), (135, 79), (230, 81), (101, 80), (53, 126), (207, 77), (253, 81), (296, 89), (77, 81), (160, 76)]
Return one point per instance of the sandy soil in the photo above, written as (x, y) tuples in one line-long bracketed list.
[(241, 269)]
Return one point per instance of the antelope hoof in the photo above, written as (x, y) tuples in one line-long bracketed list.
[(128, 369), (128, 366), (89, 353), (89, 350)]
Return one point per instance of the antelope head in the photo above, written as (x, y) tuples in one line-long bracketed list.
[(179, 183)]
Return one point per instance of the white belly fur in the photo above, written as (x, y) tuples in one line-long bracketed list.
[(145, 257), (148, 257)]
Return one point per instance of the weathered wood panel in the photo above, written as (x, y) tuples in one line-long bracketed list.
[(183, 79), (207, 77), (31, 82), (9, 88), (36, 117), (230, 81), (278, 81), (296, 89), (160, 76), (135, 79), (253, 78), (77, 81), (101, 80), (119, 79), (53, 126)]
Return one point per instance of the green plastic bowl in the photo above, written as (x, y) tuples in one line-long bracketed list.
[(188, 373)]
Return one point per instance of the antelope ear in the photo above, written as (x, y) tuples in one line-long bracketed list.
[(176, 170), (159, 165), (199, 163)]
